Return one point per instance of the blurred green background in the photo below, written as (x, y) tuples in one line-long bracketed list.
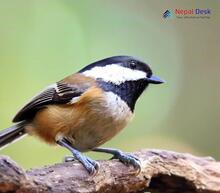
[(41, 41)]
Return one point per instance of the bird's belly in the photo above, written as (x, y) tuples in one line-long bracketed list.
[(100, 123), (92, 135), (86, 124)]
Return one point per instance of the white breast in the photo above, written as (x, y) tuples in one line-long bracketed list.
[(108, 117), (118, 108)]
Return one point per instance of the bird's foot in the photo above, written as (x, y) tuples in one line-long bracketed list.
[(128, 159), (90, 165)]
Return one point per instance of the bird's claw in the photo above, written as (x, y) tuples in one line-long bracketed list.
[(128, 159), (90, 165)]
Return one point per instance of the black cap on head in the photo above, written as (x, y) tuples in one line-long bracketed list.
[(128, 62)]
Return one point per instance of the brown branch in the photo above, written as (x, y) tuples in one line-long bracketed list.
[(162, 172)]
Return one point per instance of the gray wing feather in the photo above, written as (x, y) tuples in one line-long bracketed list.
[(59, 93)]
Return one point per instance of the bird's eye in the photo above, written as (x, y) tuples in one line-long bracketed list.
[(133, 64)]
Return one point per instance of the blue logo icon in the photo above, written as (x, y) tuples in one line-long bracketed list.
[(167, 14)]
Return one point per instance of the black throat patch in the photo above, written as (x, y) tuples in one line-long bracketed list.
[(128, 91)]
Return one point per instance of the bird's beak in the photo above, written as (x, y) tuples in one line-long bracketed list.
[(155, 80)]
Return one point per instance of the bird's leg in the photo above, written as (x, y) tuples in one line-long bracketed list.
[(125, 158), (90, 165)]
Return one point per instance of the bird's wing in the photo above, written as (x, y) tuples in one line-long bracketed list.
[(58, 93)]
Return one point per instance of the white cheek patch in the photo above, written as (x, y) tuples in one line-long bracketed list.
[(115, 73)]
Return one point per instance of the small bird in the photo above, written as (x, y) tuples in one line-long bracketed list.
[(86, 109)]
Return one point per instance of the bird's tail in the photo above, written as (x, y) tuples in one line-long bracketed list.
[(12, 134)]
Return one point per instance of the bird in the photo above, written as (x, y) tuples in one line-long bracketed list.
[(86, 109)]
